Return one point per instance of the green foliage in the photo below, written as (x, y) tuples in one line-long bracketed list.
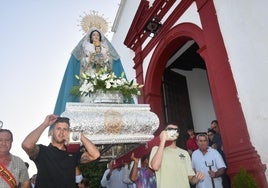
[(93, 171), (244, 180), (75, 91)]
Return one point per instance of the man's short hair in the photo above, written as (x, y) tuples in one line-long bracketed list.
[(62, 120), (7, 131), (144, 158), (59, 120), (178, 124), (202, 135), (211, 131), (214, 121)]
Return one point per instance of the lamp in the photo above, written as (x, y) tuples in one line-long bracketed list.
[(152, 26)]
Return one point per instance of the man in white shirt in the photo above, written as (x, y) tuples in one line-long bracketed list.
[(209, 161)]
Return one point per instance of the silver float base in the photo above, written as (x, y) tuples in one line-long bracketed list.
[(113, 123)]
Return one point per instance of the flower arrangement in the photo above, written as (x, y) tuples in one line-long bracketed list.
[(105, 80)]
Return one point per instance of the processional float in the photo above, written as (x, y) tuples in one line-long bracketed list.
[(114, 126)]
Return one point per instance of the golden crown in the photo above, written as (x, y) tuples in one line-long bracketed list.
[(93, 20)]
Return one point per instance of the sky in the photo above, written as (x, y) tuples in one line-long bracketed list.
[(36, 39)]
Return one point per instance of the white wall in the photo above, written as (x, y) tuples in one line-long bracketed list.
[(244, 28), (124, 21)]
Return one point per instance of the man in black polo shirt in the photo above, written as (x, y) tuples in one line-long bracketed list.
[(56, 165)]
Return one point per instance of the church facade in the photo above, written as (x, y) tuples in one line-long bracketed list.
[(199, 61)]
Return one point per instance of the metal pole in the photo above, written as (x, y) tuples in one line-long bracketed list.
[(209, 166)]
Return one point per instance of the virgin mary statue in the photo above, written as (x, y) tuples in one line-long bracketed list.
[(92, 52)]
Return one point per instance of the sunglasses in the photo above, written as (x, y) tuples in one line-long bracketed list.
[(170, 128)]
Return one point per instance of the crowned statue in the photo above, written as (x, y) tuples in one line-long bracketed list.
[(93, 52), (95, 68)]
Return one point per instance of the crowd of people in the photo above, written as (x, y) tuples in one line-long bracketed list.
[(202, 165)]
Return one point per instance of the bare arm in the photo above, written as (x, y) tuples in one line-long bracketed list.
[(25, 184), (157, 158), (106, 178), (196, 178), (134, 171), (126, 173), (29, 143), (217, 173), (92, 152)]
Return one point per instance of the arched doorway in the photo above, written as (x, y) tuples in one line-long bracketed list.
[(169, 45), (186, 94), (179, 54)]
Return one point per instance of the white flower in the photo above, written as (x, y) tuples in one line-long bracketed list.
[(120, 82), (114, 85), (104, 76), (86, 87), (107, 81), (108, 84)]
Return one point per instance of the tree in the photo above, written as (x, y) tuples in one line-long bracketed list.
[(93, 171), (244, 180)]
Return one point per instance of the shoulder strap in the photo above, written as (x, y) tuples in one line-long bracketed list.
[(7, 176)]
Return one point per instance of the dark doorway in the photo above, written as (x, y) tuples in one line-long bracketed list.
[(176, 103), (176, 100)]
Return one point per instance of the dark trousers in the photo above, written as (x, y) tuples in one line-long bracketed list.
[(226, 183), (192, 186)]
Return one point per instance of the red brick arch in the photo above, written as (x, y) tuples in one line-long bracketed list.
[(169, 44)]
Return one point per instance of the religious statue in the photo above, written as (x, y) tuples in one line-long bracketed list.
[(93, 52), (100, 70)]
